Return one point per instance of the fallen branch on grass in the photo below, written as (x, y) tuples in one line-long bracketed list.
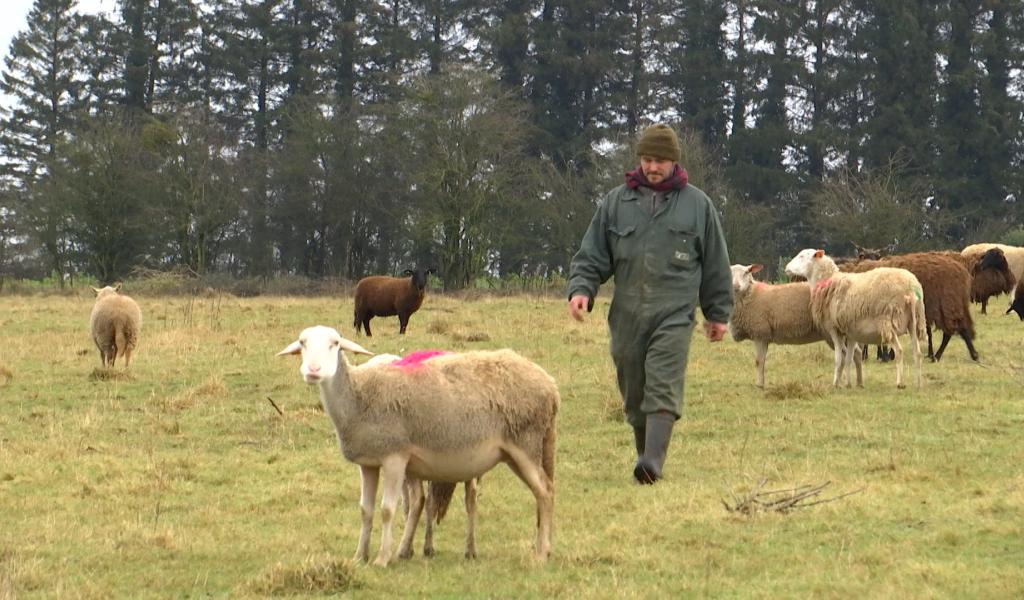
[(780, 500), (272, 403)]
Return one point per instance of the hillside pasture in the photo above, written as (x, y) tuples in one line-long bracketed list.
[(209, 469)]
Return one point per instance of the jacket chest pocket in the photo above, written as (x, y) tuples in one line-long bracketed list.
[(683, 250), (623, 241)]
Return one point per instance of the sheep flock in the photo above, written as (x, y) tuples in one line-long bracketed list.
[(438, 418)]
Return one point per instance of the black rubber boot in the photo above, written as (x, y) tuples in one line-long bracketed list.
[(652, 460), (640, 438)]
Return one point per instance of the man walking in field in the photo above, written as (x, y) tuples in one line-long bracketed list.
[(662, 240)]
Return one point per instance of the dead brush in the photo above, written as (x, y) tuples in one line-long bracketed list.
[(109, 374), (320, 574), (757, 501)]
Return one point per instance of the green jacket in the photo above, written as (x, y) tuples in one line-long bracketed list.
[(676, 256)]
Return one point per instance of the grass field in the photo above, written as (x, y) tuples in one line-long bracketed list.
[(182, 480)]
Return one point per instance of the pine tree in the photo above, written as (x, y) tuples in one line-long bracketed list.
[(39, 76)]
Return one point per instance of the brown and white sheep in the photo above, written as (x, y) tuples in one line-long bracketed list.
[(874, 307), (947, 293), (1014, 256), (115, 325), (385, 296)]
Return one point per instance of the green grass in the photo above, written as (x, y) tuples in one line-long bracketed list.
[(180, 479)]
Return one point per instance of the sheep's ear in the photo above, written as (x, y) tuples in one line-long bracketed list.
[(293, 348), (117, 287), (354, 347), (407, 272), (819, 253), (95, 290), (755, 268)]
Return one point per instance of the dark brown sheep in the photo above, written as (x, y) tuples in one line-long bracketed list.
[(990, 274), (384, 296), (947, 292), (1018, 300)]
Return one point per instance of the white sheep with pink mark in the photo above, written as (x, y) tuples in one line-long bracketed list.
[(448, 417), (874, 307)]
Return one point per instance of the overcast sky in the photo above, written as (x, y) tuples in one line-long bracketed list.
[(15, 12)]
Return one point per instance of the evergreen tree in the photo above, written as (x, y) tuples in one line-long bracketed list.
[(39, 77)]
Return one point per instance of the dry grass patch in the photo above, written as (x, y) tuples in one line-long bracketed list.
[(5, 375), (110, 374), (794, 390), (321, 573)]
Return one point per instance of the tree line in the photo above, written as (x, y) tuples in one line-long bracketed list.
[(345, 137)]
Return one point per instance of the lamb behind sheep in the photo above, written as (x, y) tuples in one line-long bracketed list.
[(990, 274), (874, 307), (779, 314), (448, 418), (384, 296), (115, 325), (1018, 301)]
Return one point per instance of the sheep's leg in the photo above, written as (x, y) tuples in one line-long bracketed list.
[(942, 346), (470, 487), (984, 306), (533, 476), (838, 344), (368, 477), (898, 350), (932, 355), (393, 470), (970, 343), (858, 363), (760, 353), (366, 326), (428, 537), (848, 351), (413, 494), (403, 321)]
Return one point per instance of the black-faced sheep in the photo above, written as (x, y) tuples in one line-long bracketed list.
[(1014, 256), (990, 274), (874, 307), (947, 293), (1018, 301), (779, 314), (385, 296), (448, 417), (115, 325)]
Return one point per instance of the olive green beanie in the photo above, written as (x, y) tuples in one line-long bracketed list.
[(659, 141)]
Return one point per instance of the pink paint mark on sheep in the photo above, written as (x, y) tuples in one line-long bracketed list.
[(760, 285), (416, 359), (822, 285)]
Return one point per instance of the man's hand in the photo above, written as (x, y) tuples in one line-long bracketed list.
[(715, 331), (578, 306)]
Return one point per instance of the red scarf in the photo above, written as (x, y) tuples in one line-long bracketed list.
[(676, 181)]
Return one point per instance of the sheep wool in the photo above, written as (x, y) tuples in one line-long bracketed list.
[(451, 418), (115, 325)]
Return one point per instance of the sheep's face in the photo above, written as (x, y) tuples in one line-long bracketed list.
[(106, 291), (743, 278), (320, 349), (993, 258), (419, 276), (803, 263)]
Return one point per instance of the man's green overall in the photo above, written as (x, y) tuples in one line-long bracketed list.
[(665, 264)]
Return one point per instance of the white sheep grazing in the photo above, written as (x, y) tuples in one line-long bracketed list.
[(874, 307), (115, 324), (779, 314), (449, 418)]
